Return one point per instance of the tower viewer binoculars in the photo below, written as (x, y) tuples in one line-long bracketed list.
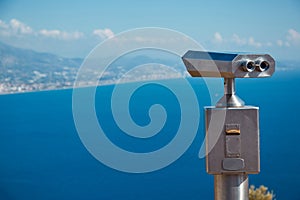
[(228, 65), (231, 128)]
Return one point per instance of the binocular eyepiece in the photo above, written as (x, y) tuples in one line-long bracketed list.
[(260, 64)]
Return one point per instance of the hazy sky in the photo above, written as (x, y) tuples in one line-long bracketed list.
[(72, 28)]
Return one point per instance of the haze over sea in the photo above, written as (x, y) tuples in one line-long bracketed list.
[(42, 156)]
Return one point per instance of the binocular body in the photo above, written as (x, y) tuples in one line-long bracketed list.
[(228, 65)]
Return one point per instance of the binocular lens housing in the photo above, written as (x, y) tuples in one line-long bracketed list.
[(262, 65), (248, 66)]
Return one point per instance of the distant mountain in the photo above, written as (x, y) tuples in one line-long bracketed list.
[(27, 70), (20, 58)]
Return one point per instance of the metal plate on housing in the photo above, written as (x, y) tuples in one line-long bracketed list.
[(233, 146), (233, 164)]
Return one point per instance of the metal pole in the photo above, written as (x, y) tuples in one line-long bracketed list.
[(230, 99), (229, 86), (231, 187)]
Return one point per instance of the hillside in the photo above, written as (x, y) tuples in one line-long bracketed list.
[(27, 70), (24, 70)]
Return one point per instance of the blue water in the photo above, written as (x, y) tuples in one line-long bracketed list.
[(42, 157)]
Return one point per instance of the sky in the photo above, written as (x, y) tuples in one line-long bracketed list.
[(74, 28)]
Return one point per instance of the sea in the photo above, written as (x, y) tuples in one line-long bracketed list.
[(42, 156)]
